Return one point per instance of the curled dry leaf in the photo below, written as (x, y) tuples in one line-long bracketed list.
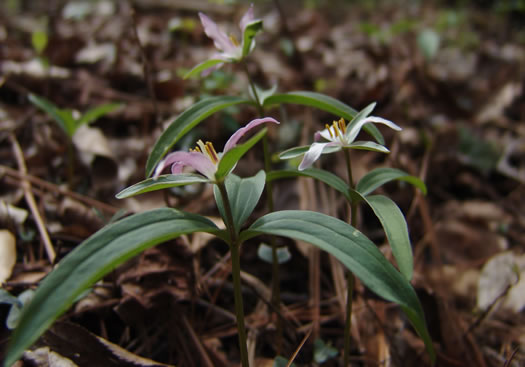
[(7, 254)]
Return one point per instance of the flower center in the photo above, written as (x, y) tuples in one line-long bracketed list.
[(208, 150), (234, 40), (338, 129)]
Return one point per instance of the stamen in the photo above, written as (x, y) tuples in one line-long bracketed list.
[(329, 131), (210, 150), (234, 40), (342, 125), (336, 129)]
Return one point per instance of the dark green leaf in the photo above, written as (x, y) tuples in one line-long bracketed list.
[(379, 176), (202, 66), (327, 177), (94, 258), (244, 194), (354, 250), (161, 182), (231, 157), (185, 122), (294, 152), (395, 226)]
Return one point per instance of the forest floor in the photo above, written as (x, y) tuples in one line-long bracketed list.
[(452, 77)]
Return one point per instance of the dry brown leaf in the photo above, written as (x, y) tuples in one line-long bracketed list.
[(7, 254)]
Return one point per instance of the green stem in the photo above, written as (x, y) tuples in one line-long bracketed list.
[(350, 279), (260, 107), (236, 274), (276, 291)]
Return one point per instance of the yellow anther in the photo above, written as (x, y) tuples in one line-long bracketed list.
[(329, 131), (234, 40), (342, 125), (336, 129), (210, 150)]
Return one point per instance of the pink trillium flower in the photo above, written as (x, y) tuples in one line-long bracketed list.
[(204, 158), (340, 137), (230, 50)]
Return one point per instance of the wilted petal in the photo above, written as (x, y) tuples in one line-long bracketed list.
[(243, 130), (220, 39), (246, 19), (352, 134), (196, 160), (315, 151)]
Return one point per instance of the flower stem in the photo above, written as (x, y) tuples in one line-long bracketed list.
[(276, 291), (350, 279), (236, 274), (260, 107)]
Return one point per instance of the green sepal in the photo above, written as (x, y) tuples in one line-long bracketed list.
[(232, 156), (248, 42)]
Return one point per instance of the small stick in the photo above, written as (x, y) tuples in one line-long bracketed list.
[(52, 187), (28, 194), (299, 348)]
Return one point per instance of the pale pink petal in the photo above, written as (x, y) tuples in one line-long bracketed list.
[(243, 130), (313, 154), (352, 134), (196, 160), (246, 19), (220, 39)]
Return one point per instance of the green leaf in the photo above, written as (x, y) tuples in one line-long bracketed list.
[(13, 317), (294, 152), (369, 145), (202, 66), (312, 99), (8, 298), (325, 103), (161, 182), (361, 115), (64, 118), (93, 259), (323, 351), (395, 226), (95, 113), (428, 42), (39, 41), (232, 156), (265, 253), (248, 42), (354, 250), (328, 178), (379, 176), (187, 121), (244, 194)]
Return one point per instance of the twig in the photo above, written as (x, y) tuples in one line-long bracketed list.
[(52, 187), (299, 348), (28, 194)]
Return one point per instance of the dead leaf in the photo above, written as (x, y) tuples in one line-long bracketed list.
[(7, 254)]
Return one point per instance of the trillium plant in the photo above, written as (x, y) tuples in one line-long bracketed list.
[(237, 197)]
